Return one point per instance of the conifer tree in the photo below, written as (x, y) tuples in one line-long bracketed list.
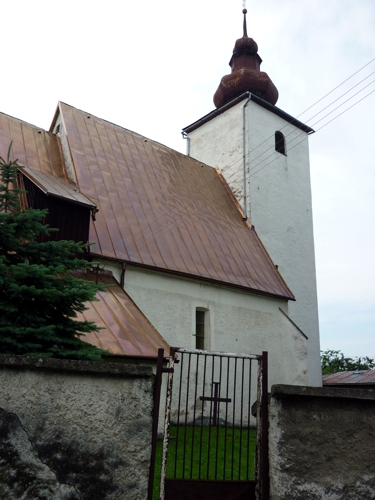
[(39, 297)]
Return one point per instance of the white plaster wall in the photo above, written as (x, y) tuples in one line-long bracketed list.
[(278, 200), (238, 322)]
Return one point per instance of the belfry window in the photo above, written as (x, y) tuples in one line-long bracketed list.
[(280, 143), (199, 329)]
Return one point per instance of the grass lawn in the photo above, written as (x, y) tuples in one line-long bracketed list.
[(207, 453)]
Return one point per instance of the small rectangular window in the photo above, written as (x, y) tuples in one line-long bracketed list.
[(280, 143), (199, 329)]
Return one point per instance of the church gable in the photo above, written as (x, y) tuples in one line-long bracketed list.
[(164, 210)]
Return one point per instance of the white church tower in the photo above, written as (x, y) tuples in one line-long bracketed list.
[(264, 156)]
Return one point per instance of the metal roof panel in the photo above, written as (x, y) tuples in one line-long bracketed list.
[(350, 377), (52, 186), (125, 331), (164, 210)]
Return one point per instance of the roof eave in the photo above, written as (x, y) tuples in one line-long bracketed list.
[(199, 278), (274, 109)]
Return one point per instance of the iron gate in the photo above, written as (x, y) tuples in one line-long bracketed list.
[(213, 445)]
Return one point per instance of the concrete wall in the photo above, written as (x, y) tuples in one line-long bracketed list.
[(322, 443), (74, 430), (278, 200)]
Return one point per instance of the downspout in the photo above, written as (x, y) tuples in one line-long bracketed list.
[(185, 136), (244, 156)]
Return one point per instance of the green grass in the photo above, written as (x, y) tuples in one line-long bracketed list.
[(224, 454)]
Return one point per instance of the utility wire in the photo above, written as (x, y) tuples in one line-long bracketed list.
[(319, 100), (227, 178), (302, 133), (205, 189)]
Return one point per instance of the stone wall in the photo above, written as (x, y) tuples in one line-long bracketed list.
[(322, 443), (74, 429)]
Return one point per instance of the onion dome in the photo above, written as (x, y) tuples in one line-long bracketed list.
[(246, 75)]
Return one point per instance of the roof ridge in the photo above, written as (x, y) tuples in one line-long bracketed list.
[(135, 133)]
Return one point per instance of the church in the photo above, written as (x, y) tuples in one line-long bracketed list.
[(211, 250)]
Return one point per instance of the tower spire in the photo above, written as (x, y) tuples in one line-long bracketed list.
[(244, 12), (246, 75)]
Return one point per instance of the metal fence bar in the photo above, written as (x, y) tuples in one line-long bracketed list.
[(178, 416), (259, 433), (210, 419), (240, 451), (202, 416), (220, 353), (248, 422), (217, 423), (193, 428), (186, 415), (234, 415), (226, 421)]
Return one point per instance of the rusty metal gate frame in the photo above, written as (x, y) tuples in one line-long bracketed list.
[(261, 460)]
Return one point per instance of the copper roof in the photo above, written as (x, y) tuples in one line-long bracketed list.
[(125, 329), (161, 209), (350, 377), (32, 146), (59, 188)]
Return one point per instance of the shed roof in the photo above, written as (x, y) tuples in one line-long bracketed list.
[(55, 187), (357, 377), (164, 210), (125, 329)]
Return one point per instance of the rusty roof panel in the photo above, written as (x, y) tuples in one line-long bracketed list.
[(52, 186), (32, 146), (350, 377), (162, 209), (125, 329)]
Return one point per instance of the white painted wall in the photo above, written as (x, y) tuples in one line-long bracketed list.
[(278, 199), (238, 321)]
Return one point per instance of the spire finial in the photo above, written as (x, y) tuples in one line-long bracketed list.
[(244, 12)]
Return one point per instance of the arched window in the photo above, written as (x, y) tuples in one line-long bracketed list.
[(280, 143)]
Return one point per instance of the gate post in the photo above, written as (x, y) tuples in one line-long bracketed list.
[(155, 420), (264, 479), (167, 420)]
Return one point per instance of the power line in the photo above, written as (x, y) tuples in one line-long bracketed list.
[(333, 119), (302, 133), (206, 188), (270, 137)]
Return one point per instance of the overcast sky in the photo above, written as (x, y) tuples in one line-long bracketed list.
[(153, 67)]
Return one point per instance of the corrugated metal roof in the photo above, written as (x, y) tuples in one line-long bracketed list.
[(162, 209), (350, 377), (32, 146), (60, 188), (126, 331)]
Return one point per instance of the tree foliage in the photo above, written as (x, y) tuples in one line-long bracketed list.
[(39, 297), (335, 361)]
